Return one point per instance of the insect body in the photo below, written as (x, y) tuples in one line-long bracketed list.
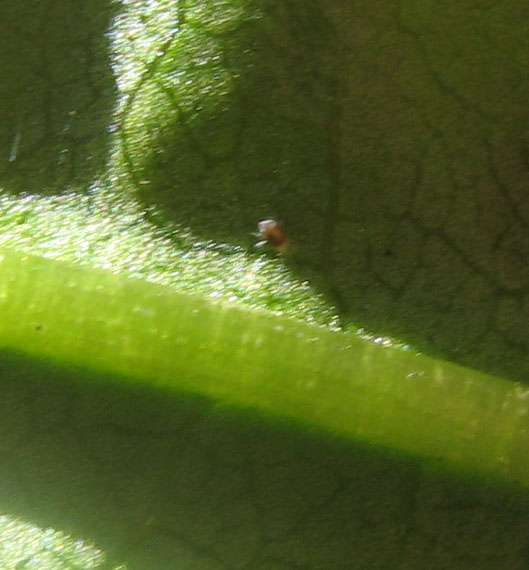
[(273, 233)]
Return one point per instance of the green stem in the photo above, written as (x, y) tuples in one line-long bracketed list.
[(338, 382)]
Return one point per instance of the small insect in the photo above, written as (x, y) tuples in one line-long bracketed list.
[(274, 234)]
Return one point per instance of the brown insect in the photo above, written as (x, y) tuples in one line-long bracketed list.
[(274, 234)]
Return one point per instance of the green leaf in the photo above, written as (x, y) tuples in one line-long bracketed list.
[(391, 140), (175, 430)]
